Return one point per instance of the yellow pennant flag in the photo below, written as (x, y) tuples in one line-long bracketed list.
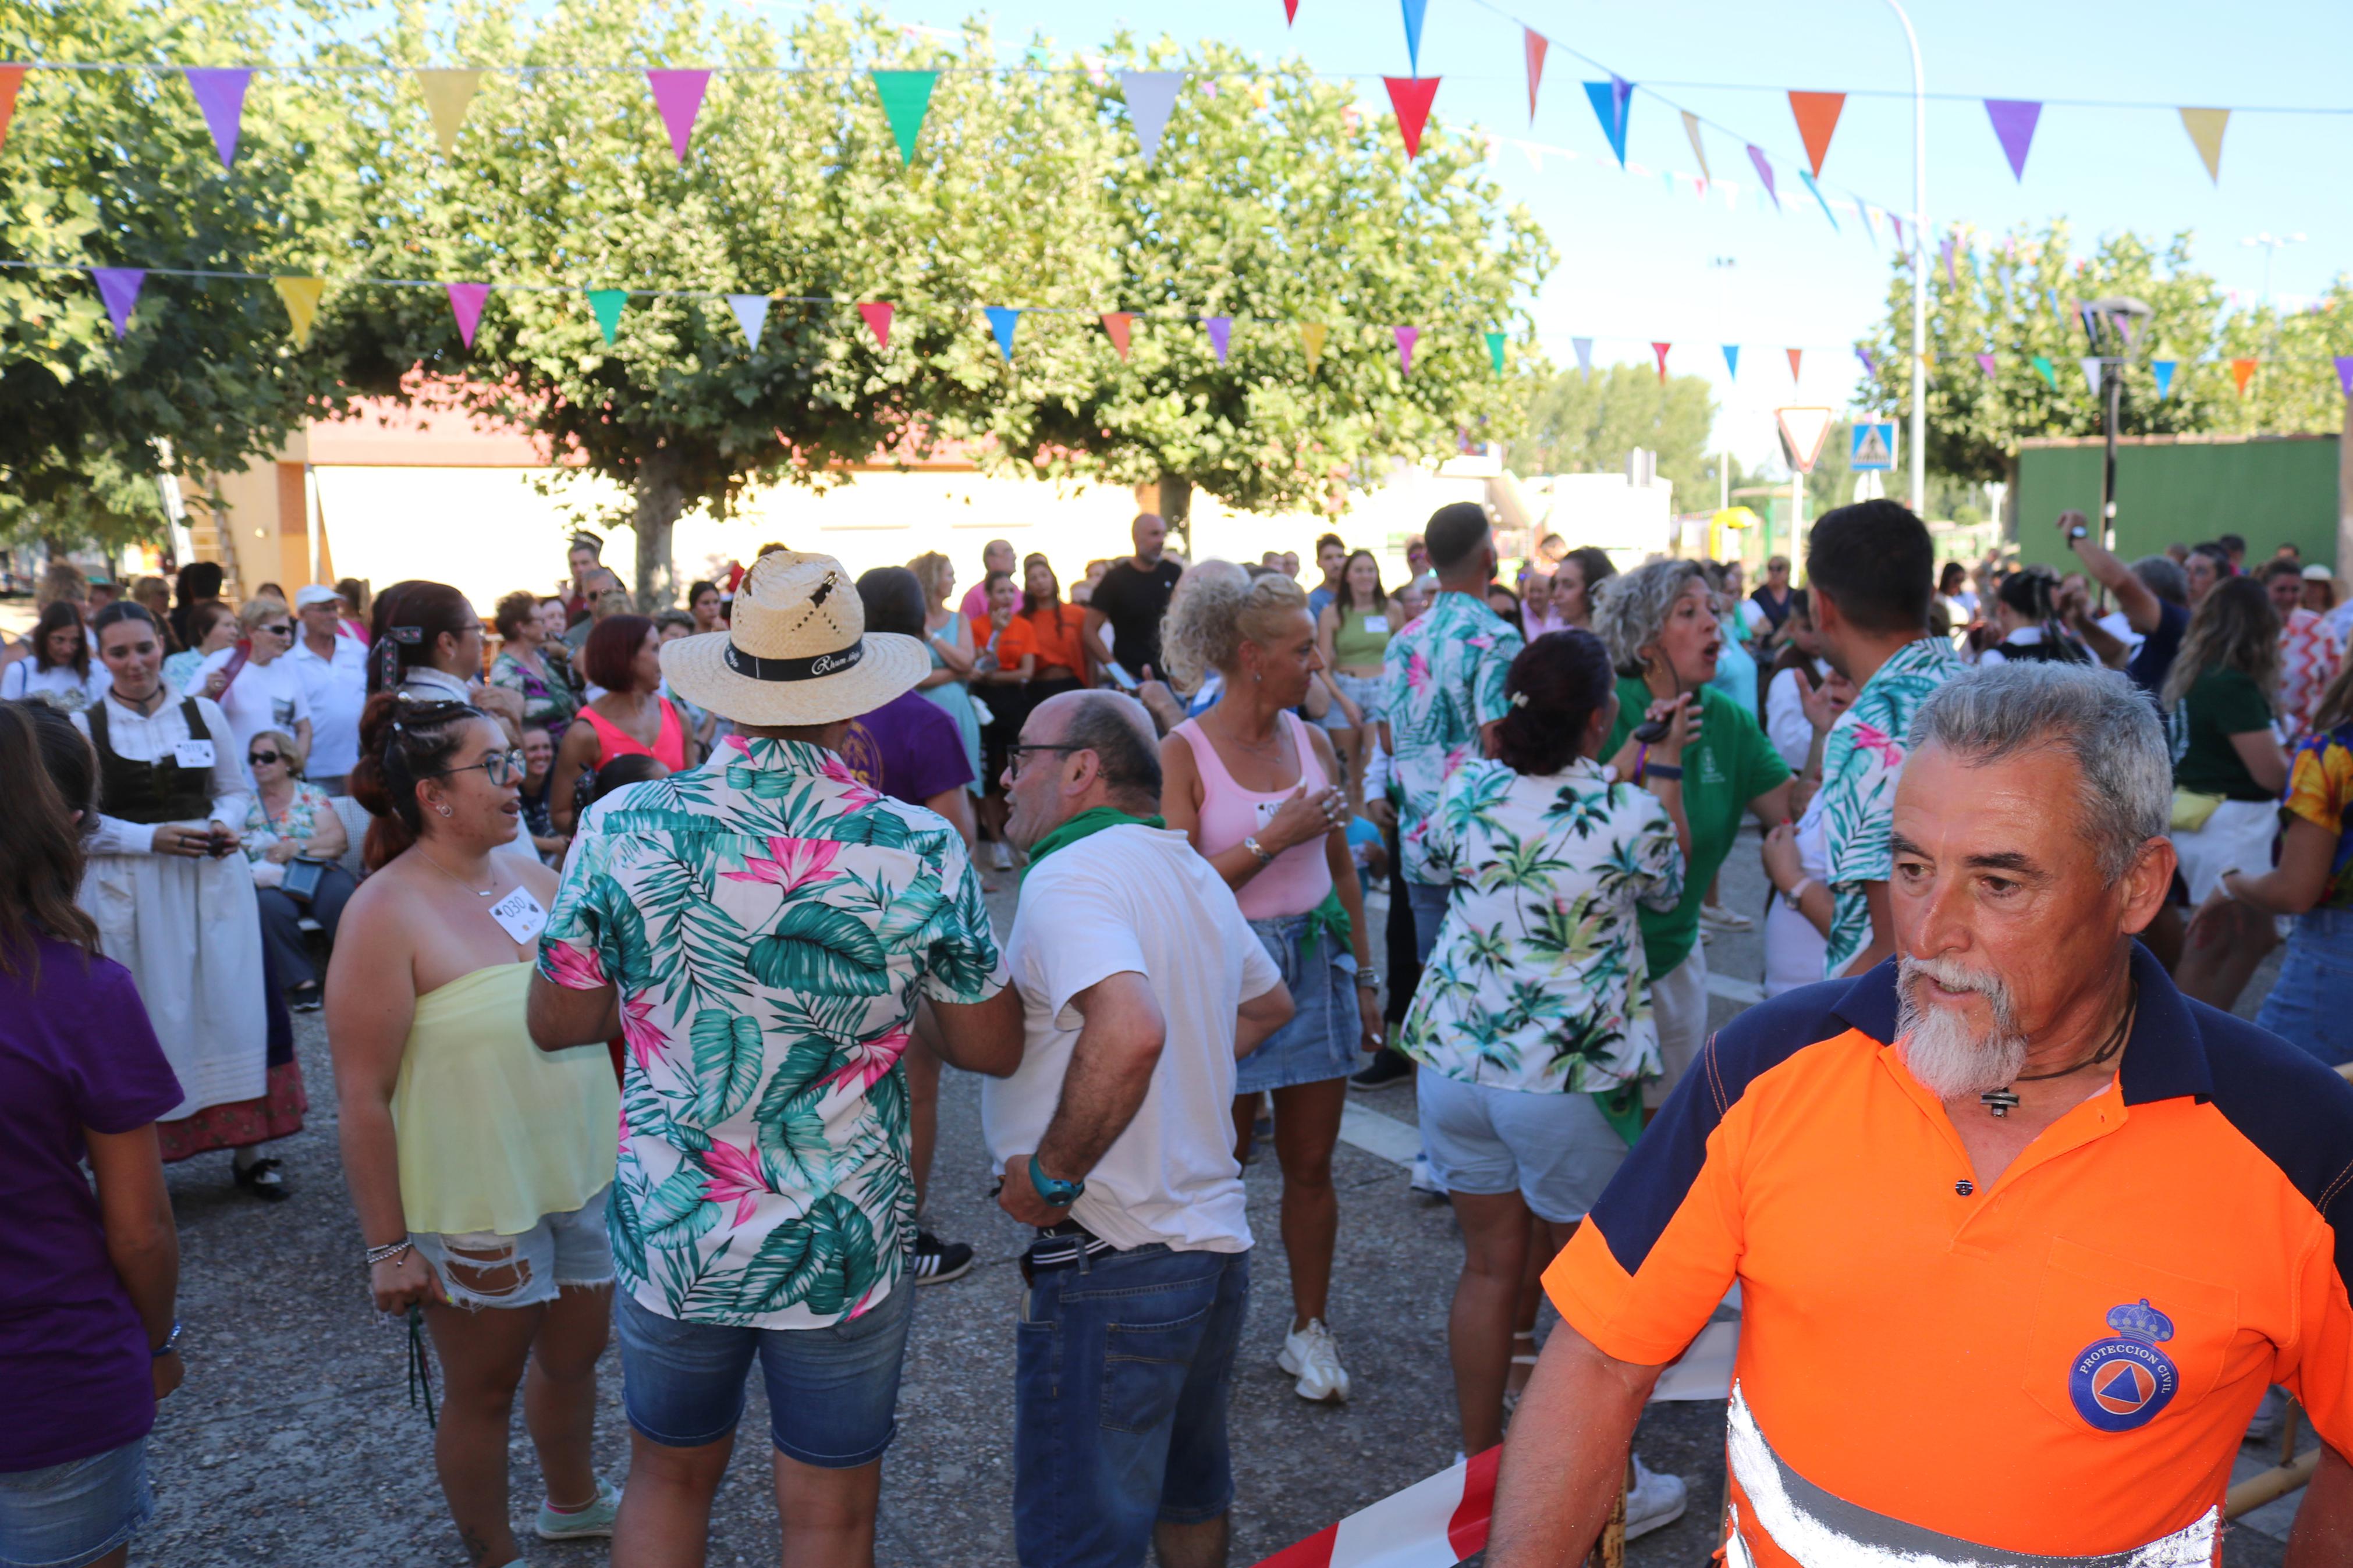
[(447, 94), (300, 297), (1310, 339), (1691, 129), (2205, 127)]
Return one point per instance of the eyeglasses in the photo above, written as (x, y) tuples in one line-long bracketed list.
[(502, 768), (1015, 753), (282, 629), (256, 759)]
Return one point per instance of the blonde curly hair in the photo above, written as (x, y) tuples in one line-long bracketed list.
[(1216, 608)]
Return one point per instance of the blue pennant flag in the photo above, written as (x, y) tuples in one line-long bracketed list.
[(1413, 14), (1732, 360), (1610, 98), (1002, 319)]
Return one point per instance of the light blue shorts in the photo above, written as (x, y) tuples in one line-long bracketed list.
[(1556, 1150), (562, 1252), (1320, 1041), (65, 1515)]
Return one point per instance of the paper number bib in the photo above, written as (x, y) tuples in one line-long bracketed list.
[(520, 915), (193, 753)]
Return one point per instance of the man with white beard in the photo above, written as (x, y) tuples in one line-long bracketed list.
[(2022, 1233)]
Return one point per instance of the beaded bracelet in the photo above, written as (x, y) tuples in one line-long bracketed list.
[(387, 1253)]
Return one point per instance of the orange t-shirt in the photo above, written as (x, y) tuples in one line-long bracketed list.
[(1056, 637), (1014, 643), (2060, 1363)]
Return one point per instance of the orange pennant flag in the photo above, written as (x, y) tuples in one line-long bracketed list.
[(2243, 371), (1817, 116), (1795, 355), (11, 78), (1116, 323), (1660, 350), (877, 314)]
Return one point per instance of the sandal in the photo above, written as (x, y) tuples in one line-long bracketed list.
[(1511, 1395), (262, 1179)]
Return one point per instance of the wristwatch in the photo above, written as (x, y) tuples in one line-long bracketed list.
[(1792, 898), (1054, 1194), (1369, 979), (170, 1342)]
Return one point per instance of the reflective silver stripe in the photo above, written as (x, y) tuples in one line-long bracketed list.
[(1820, 1531)]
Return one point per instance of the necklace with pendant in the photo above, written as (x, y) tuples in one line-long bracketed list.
[(461, 881), (2000, 1102)]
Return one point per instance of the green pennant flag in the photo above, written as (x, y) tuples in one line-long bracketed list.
[(607, 303), (2043, 368), (1495, 350), (905, 96)]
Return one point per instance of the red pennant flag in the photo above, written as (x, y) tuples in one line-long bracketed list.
[(1817, 116), (1289, 12), (1410, 96), (1536, 45), (1660, 350), (2243, 371), (1795, 355), (11, 78), (1116, 323), (878, 320)]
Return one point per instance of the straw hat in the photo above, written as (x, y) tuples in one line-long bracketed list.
[(796, 650)]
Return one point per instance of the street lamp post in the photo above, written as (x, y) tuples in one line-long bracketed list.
[(2109, 323), (2270, 244), (1919, 269)]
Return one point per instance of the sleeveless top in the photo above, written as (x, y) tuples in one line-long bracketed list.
[(492, 1131), (670, 743), (1301, 877), (150, 793), (1354, 643)]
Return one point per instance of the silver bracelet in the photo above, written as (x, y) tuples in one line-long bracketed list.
[(1251, 844), (387, 1253)]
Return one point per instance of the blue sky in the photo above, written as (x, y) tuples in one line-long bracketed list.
[(1635, 256)]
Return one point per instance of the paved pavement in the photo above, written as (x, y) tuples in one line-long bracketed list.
[(292, 1443)]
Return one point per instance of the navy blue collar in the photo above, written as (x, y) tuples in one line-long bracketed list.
[(2164, 1059)]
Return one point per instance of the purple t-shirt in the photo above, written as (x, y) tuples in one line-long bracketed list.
[(909, 749), (76, 1051)]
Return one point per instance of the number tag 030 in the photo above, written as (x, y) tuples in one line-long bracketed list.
[(520, 915)]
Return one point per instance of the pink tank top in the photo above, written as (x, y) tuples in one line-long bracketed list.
[(612, 741), (1301, 877)]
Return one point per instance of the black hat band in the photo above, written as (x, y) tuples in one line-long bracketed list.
[(808, 669)]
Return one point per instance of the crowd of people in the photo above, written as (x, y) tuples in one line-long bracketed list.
[(641, 941)]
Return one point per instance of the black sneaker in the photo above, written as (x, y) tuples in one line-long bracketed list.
[(935, 1261), (1385, 1070)]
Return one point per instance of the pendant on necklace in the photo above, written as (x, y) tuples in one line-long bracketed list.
[(2000, 1102)]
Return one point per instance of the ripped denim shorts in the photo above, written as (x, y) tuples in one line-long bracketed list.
[(562, 1251)]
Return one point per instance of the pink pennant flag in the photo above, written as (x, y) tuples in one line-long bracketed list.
[(1536, 44), (1660, 350), (466, 301), (119, 287), (1222, 332), (1897, 225), (1406, 337), (220, 93), (877, 315), (1410, 97), (678, 95), (1947, 247), (1764, 173), (1116, 325), (1985, 363)]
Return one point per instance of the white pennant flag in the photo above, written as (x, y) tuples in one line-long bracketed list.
[(1584, 347), (1150, 96), (750, 314), (2091, 363)]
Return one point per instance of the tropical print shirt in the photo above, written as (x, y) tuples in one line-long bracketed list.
[(1855, 810), (2320, 791), (1444, 675), (771, 923), (1538, 981)]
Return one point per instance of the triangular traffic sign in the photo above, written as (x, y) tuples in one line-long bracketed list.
[(1803, 431)]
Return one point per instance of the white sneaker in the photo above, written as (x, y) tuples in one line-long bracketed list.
[(1001, 854), (1722, 919), (1423, 1179), (1309, 1355), (1655, 1501)]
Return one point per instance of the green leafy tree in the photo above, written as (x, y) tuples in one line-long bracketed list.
[(1275, 203), (1577, 424)]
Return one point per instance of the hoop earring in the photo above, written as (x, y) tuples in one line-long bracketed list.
[(443, 810)]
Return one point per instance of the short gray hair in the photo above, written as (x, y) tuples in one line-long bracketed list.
[(2164, 577), (1629, 610), (2096, 716)]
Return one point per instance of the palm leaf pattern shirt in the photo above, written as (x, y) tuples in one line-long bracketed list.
[(771, 923), (1538, 982), (1855, 810), (1444, 675)]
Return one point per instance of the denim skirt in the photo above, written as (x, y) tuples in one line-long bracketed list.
[(1320, 1041), (2311, 1004)]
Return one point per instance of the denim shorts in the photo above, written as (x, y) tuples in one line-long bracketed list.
[(482, 1269), (1556, 1150), (1320, 1041), (1368, 692), (832, 1392), (1123, 1365), (65, 1515), (2311, 1002)]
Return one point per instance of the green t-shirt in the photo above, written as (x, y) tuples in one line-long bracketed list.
[(2220, 703), (1731, 765)]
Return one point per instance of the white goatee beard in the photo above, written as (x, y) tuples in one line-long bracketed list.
[(1940, 1047)]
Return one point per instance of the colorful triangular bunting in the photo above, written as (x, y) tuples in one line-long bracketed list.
[(1660, 350), (1410, 97), (1691, 129), (750, 314), (1406, 338), (1289, 12), (1870, 362), (1945, 246), (2013, 126), (1414, 10), (906, 95), (12, 78), (877, 314), (2243, 371), (1495, 341), (220, 93), (2345, 374), (447, 94), (1732, 360), (1002, 321), (1150, 96), (1584, 347), (1311, 343), (300, 298), (1817, 116), (2090, 366), (1609, 99), (466, 301), (1986, 364), (119, 288), (678, 94), (1808, 181), (1117, 324), (1535, 44), (2163, 370), (2043, 368), (606, 303), (1797, 357), (2206, 126), (1221, 334), (1764, 173)]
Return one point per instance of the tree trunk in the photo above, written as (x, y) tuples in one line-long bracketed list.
[(1176, 510), (660, 501)]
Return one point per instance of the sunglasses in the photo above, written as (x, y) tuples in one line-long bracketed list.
[(282, 629), (256, 759), (502, 768)]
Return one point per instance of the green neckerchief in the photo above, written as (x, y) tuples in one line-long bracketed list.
[(1333, 917), (1623, 1109), (1095, 819)]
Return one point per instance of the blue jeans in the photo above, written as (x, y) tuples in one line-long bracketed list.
[(1123, 1364), (65, 1515), (1429, 911), (832, 1392), (2311, 1004)]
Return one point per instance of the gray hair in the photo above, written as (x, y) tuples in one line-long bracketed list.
[(2096, 716), (2164, 577), (1629, 610)]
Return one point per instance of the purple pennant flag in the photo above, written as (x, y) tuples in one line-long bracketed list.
[(678, 95), (1985, 363), (1947, 247), (220, 93), (466, 303), (1222, 332), (119, 287), (1870, 365), (2345, 374), (2013, 125), (1764, 173), (1406, 337)]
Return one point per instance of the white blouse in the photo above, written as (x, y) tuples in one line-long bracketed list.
[(150, 738)]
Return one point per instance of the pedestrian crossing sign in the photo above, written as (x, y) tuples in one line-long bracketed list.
[(1875, 446)]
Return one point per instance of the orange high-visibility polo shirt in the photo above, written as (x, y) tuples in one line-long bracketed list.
[(2061, 1364)]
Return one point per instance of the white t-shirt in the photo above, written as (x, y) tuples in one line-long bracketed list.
[(57, 685), (1137, 899), (337, 691), (1786, 724), (262, 696)]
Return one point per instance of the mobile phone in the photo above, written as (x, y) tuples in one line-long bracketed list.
[(1650, 732)]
